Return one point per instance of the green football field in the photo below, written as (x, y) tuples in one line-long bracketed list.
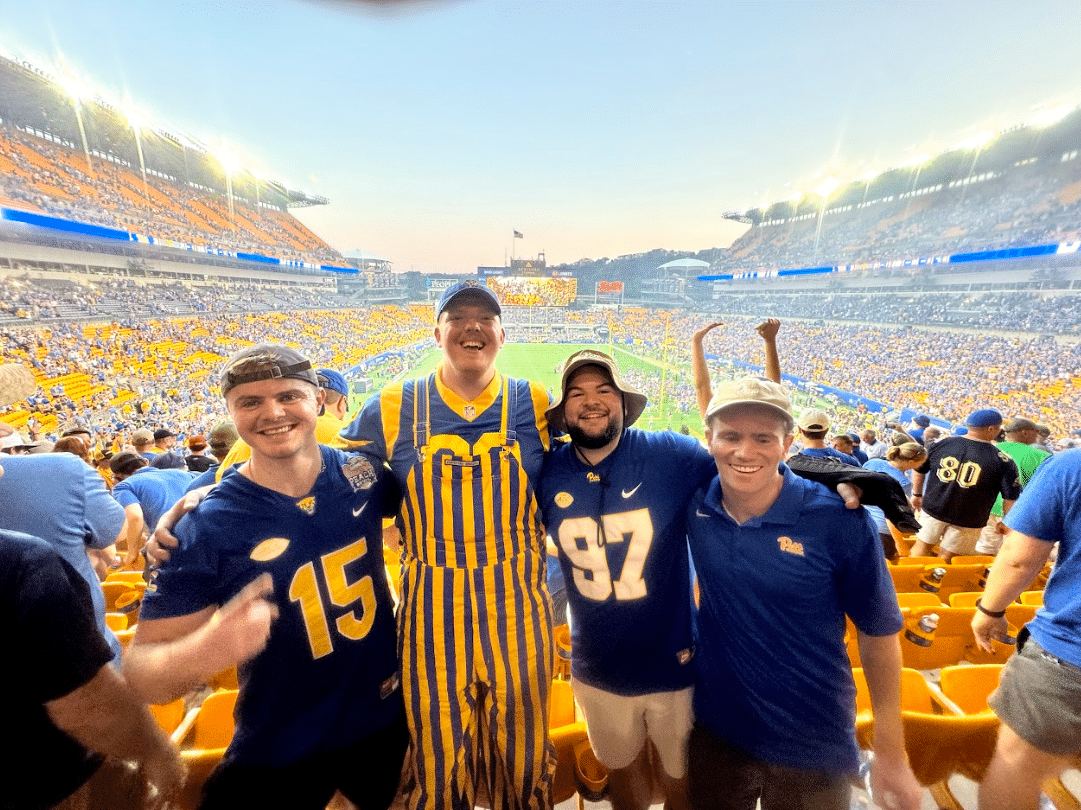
[(538, 361)]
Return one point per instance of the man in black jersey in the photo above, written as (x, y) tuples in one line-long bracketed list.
[(957, 485)]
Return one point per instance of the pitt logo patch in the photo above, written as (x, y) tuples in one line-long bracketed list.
[(359, 472), (789, 545), (307, 505), (563, 499), (269, 549), (593, 478)]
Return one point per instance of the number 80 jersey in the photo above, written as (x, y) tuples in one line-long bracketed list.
[(622, 543)]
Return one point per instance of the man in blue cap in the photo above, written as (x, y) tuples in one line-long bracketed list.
[(957, 485)]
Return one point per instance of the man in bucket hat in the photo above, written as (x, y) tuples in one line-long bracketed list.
[(614, 499)]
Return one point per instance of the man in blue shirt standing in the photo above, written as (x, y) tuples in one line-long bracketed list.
[(1038, 698), (781, 562)]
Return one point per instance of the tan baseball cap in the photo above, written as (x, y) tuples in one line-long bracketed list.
[(749, 391), (813, 420)]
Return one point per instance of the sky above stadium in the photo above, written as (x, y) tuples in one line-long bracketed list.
[(437, 128)]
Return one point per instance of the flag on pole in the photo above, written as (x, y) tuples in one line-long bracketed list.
[(518, 235)]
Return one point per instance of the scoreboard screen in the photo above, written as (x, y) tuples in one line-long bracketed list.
[(534, 291)]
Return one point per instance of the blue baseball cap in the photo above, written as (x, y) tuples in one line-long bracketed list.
[(468, 287), (983, 418), (923, 420), (331, 380)]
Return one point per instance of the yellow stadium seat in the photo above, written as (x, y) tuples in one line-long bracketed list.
[(955, 578), (200, 764), (969, 686), (920, 599), (920, 561), (951, 642), (169, 715), (906, 578), (115, 590), (972, 559), (225, 680), (562, 635), (214, 724), (939, 743), (965, 599), (1032, 598), (116, 621)]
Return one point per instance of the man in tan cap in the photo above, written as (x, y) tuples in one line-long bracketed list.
[(781, 558)]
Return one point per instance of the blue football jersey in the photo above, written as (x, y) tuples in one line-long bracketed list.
[(329, 673), (620, 528)]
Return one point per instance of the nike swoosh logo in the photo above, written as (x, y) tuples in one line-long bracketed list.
[(628, 494), (356, 512), (700, 513)]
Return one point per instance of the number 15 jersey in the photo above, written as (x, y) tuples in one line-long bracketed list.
[(328, 674), (622, 541)]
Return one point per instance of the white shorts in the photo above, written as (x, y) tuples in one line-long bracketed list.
[(618, 726), (990, 540), (954, 539)]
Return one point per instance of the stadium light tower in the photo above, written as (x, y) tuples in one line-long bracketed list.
[(823, 190), (136, 122), (75, 90), (230, 164)]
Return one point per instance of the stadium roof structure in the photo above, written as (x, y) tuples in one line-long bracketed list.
[(41, 104), (1006, 149), (684, 264)]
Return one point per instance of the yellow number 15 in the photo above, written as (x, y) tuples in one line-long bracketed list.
[(305, 589)]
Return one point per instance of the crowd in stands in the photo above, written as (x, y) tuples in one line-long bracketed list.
[(56, 180), (538, 292), (126, 375), (997, 311), (1033, 204)]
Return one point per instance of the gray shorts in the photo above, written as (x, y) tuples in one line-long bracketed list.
[(1039, 698)]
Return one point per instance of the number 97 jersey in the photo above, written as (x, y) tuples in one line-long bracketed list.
[(622, 543)]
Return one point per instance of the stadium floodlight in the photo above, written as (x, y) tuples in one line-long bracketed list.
[(1051, 115), (227, 159), (977, 141), (827, 187), (73, 88), (136, 119)]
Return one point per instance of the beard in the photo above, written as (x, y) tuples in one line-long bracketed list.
[(589, 441)]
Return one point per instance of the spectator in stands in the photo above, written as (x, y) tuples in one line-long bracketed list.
[(920, 423), (59, 498), (956, 487), (143, 442), (197, 459), (146, 492), (71, 710), (320, 707), (73, 445), (931, 434), (872, 446), (337, 401), (164, 441), (1040, 688), (1044, 442), (900, 460), (850, 443), (221, 440), (813, 425), (1020, 445), (757, 736)]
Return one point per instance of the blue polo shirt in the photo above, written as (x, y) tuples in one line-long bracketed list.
[(773, 676)]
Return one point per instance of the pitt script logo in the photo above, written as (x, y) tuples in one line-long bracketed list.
[(789, 545)]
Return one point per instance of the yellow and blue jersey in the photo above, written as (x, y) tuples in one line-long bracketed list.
[(328, 675), (621, 531)]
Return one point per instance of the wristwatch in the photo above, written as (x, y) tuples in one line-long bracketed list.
[(994, 614)]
